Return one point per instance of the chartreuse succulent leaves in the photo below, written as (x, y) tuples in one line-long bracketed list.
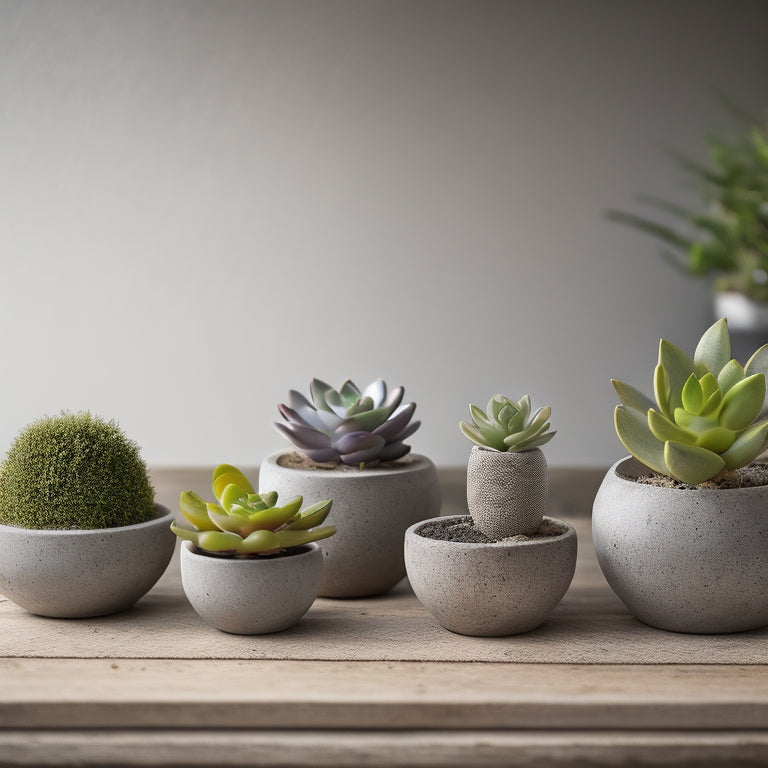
[(245, 523), (709, 415), (507, 425)]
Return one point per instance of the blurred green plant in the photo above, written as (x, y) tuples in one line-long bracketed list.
[(709, 415), (246, 523), (507, 425), (728, 236)]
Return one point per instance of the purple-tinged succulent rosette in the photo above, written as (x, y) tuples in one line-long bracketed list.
[(347, 425)]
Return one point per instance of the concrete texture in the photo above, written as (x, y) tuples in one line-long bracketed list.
[(684, 560), (371, 510), (251, 596), (490, 590), (84, 573), (506, 491)]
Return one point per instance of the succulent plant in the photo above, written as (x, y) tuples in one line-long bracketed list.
[(728, 234), (709, 415), (246, 523), (507, 425), (347, 425), (74, 471)]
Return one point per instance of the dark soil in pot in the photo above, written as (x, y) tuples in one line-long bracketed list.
[(463, 530)]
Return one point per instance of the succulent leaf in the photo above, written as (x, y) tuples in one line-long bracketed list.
[(714, 349), (248, 523), (320, 429), (707, 421), (692, 464), (507, 425)]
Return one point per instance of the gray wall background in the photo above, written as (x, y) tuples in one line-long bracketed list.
[(204, 204)]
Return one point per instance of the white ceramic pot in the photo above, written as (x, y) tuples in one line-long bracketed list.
[(490, 590), (743, 313), (684, 560), (74, 574), (254, 595), (506, 491), (372, 508)]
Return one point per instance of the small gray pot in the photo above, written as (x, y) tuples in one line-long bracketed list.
[(506, 491), (684, 560), (75, 574), (255, 595), (490, 590), (371, 510)]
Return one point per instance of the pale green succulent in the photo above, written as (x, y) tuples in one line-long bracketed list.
[(508, 425), (709, 415), (246, 523)]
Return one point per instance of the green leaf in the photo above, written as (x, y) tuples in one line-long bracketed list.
[(480, 418), (295, 538), (194, 509), (663, 429), (731, 374), (318, 389), (524, 404), (184, 533), (312, 516), (717, 439), (742, 403), (690, 463), (476, 436), (270, 498), (219, 541), (226, 474), (634, 432), (233, 494), (678, 367), (693, 396), (258, 542), (662, 390), (631, 397), (350, 394), (747, 447), (714, 349), (758, 363)]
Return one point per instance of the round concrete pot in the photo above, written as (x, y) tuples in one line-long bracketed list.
[(684, 560), (254, 595), (506, 491), (371, 510), (490, 590), (74, 574)]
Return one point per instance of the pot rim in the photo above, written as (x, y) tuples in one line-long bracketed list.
[(640, 468), (549, 541), (411, 462), (240, 562), (162, 515)]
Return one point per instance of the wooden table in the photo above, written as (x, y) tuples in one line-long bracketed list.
[(289, 712)]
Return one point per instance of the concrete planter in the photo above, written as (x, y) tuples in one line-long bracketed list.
[(489, 590), (371, 510), (72, 574), (684, 560), (506, 491), (251, 596)]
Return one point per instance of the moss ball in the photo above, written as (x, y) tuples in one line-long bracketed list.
[(74, 471)]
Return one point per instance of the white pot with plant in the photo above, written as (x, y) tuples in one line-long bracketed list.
[(80, 533), (727, 237), (249, 566), (680, 530), (351, 449), (503, 568)]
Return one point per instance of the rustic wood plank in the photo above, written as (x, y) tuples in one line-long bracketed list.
[(345, 749), (50, 693)]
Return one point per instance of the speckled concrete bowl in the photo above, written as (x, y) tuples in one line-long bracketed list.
[(684, 560), (251, 596), (371, 510), (74, 574), (490, 590)]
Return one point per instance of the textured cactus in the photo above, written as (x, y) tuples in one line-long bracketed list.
[(246, 523), (348, 425), (709, 415), (508, 425), (74, 471)]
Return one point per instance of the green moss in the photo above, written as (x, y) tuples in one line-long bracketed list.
[(74, 471)]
